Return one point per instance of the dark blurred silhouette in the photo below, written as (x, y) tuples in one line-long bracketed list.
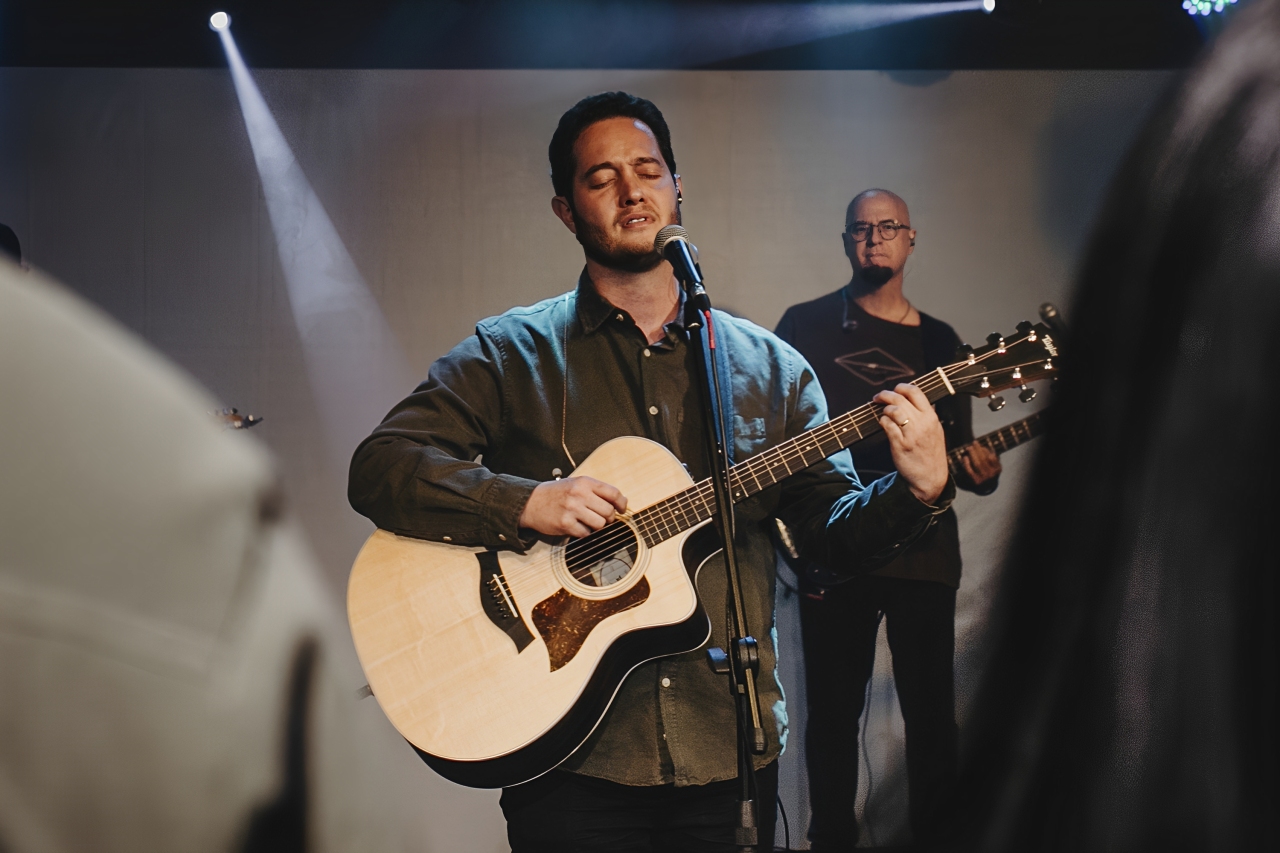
[(10, 246), (1130, 702)]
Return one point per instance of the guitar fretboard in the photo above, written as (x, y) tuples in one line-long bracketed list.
[(1000, 440), (698, 503)]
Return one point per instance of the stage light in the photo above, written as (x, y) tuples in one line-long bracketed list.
[(219, 21), (988, 6), (1206, 7), (353, 360)]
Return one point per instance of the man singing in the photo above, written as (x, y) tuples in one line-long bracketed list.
[(474, 456), (864, 337)]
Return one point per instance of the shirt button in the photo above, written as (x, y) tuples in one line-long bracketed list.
[(448, 538), (502, 537), (666, 682), (653, 410), (620, 317), (648, 353)]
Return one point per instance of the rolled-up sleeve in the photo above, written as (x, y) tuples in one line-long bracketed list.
[(418, 474)]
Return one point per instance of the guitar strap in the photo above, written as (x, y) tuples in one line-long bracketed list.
[(564, 404)]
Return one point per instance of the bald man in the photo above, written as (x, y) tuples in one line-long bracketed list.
[(863, 338)]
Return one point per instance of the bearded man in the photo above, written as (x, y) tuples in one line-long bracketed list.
[(862, 338), (475, 456)]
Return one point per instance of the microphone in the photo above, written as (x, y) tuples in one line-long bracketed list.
[(673, 244)]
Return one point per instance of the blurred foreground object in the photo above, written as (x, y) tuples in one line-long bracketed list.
[(232, 419), (173, 676), (1131, 696), (10, 246)]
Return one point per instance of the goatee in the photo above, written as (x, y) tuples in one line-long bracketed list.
[(875, 277), (620, 258)]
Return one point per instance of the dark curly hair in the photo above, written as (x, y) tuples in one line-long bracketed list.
[(587, 112)]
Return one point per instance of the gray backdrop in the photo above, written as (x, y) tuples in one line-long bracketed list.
[(138, 189)]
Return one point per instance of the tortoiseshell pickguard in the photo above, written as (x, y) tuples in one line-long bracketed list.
[(564, 620)]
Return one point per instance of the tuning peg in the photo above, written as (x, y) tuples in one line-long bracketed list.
[(964, 352), (1025, 328), (997, 341), (1027, 394), (995, 404)]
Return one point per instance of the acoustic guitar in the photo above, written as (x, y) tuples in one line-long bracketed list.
[(496, 666)]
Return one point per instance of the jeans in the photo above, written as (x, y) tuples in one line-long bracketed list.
[(565, 812), (839, 634)]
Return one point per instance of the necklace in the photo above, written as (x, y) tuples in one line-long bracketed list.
[(849, 324)]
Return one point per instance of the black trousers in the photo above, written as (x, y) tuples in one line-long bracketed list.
[(570, 813), (839, 635)]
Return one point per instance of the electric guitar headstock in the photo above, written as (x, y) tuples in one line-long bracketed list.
[(1005, 362)]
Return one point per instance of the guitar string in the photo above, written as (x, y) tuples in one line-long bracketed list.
[(619, 537), (670, 516), (672, 513), (799, 448)]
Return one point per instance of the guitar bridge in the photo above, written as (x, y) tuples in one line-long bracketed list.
[(497, 602)]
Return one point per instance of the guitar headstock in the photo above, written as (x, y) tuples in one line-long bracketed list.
[(1006, 362)]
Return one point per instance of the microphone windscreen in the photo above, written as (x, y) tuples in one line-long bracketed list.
[(667, 234)]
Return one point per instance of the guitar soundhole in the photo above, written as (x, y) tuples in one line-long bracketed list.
[(604, 558)]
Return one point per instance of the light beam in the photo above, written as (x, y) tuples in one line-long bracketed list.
[(354, 364), (697, 34)]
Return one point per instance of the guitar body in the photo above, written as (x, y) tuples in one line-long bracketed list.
[(496, 666)]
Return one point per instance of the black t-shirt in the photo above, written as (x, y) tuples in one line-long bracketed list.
[(856, 355)]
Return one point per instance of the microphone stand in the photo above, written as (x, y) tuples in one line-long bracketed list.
[(741, 662)]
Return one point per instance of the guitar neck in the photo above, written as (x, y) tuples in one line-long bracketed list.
[(1000, 440), (698, 503)]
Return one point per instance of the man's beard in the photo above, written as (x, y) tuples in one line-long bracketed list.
[(875, 277), (598, 247)]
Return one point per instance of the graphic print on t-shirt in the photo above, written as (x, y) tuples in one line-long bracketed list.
[(874, 366)]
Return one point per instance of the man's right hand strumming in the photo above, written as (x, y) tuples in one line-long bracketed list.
[(574, 506)]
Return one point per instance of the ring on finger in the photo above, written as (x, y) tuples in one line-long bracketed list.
[(905, 421)]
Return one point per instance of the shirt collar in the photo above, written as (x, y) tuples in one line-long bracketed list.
[(594, 309)]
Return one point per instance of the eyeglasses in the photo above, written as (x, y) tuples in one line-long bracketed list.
[(888, 229)]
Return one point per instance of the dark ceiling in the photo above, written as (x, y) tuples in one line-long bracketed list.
[(781, 34)]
